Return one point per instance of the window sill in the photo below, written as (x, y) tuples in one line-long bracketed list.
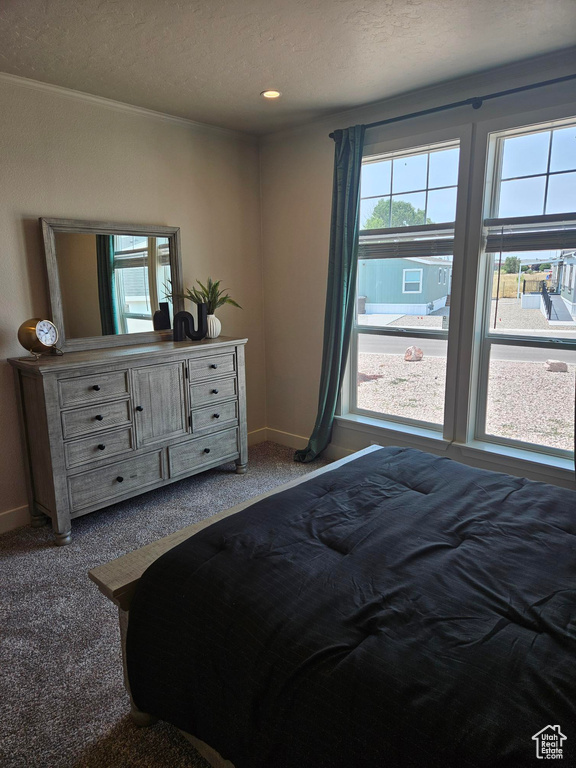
[(355, 431), (518, 456), (395, 433)]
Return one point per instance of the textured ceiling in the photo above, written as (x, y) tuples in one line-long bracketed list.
[(208, 61)]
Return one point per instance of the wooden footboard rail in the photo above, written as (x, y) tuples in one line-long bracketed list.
[(118, 579)]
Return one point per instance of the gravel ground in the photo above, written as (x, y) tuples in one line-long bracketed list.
[(511, 316), (525, 401)]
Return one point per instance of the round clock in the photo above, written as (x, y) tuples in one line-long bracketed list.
[(38, 336)]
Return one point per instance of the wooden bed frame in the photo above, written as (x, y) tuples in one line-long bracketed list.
[(118, 579)]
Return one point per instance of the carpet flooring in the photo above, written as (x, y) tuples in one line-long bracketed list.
[(62, 699)]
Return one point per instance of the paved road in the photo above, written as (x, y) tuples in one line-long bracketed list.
[(437, 348)]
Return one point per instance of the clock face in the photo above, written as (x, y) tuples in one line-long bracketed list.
[(47, 333)]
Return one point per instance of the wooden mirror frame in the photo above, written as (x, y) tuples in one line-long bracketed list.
[(51, 226)]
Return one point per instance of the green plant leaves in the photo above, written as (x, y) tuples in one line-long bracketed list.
[(210, 294)]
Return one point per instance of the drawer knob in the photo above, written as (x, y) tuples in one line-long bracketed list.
[(101, 447), (214, 391), (120, 479), (139, 408), (96, 387), (206, 450), (216, 415), (213, 365), (99, 417)]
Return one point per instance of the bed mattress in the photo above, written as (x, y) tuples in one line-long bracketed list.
[(404, 610)]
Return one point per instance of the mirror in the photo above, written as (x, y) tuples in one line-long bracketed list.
[(106, 280)]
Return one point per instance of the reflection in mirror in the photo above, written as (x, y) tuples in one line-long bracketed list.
[(111, 284), (106, 281)]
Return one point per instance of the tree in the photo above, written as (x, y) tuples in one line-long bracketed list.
[(403, 215), (511, 264)]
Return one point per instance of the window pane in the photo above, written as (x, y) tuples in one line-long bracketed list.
[(409, 210), (375, 213), (444, 168), (528, 403), (382, 297), (441, 205), (561, 193), (563, 149), (376, 178), (392, 386), (413, 281), (137, 325), (130, 242), (523, 197), (518, 306), (409, 173), (525, 155)]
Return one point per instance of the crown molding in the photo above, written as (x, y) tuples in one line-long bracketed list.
[(120, 106)]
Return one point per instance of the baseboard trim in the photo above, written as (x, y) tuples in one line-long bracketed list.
[(257, 436), (286, 438), (335, 452), (14, 518), (18, 517)]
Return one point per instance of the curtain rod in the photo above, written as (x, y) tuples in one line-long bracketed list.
[(475, 102)]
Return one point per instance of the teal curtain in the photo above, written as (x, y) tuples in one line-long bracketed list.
[(106, 288), (341, 291)]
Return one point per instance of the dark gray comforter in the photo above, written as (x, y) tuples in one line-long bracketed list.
[(404, 610)]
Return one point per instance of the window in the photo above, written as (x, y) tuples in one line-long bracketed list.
[(408, 189), (408, 208), (507, 385), (529, 316), (141, 269), (412, 281), (537, 173)]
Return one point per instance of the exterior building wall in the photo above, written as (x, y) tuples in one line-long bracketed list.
[(381, 281)]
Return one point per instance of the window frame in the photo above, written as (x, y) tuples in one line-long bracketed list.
[(419, 281), (348, 404), (467, 278), (486, 339)]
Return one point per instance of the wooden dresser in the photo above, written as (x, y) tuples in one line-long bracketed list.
[(105, 425)]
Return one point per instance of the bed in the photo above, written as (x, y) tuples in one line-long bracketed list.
[(394, 608)]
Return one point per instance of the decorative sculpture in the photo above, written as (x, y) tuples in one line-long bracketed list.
[(184, 324), (161, 318)]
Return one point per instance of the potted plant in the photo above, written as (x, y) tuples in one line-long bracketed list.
[(212, 295)]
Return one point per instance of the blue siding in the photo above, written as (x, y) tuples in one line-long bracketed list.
[(381, 281)]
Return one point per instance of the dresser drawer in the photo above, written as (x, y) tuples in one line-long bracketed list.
[(185, 457), (213, 391), (224, 415), (84, 421), (215, 365), (98, 447), (124, 477), (93, 388)]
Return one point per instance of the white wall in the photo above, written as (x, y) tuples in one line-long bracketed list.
[(65, 156), (296, 172), (257, 218)]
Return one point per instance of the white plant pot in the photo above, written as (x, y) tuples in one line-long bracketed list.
[(214, 327)]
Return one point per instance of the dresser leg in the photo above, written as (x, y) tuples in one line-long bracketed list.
[(241, 469), (63, 538)]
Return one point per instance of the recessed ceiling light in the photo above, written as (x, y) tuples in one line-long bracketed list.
[(270, 93)]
